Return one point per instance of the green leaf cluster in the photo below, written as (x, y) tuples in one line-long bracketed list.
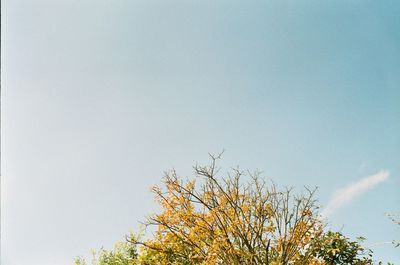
[(335, 248), (124, 253)]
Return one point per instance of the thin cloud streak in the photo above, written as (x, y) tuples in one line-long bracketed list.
[(346, 194)]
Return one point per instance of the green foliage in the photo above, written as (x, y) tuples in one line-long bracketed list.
[(335, 248), (124, 253)]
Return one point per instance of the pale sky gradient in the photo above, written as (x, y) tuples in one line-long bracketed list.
[(100, 97)]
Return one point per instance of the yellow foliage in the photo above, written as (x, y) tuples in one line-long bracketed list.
[(229, 221)]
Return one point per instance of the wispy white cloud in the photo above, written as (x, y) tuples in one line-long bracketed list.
[(346, 194)]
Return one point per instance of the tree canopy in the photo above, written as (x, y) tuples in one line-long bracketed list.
[(236, 219)]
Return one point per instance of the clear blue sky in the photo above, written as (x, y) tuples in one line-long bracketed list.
[(100, 97)]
